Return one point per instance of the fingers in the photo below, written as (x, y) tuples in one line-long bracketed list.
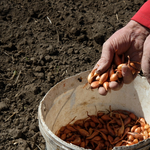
[(112, 86), (128, 77), (145, 64), (115, 85), (120, 41), (102, 91), (128, 41), (127, 74)]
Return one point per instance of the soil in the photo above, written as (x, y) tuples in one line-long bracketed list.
[(41, 43)]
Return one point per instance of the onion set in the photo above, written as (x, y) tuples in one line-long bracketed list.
[(106, 130), (114, 73)]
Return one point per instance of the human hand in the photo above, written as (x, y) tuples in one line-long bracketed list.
[(130, 41), (145, 62)]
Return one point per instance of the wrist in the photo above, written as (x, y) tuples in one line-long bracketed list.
[(137, 29)]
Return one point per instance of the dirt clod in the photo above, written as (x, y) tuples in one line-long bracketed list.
[(3, 106)]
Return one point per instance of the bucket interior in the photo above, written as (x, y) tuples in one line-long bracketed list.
[(72, 98)]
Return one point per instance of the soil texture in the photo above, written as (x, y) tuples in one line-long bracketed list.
[(41, 43)]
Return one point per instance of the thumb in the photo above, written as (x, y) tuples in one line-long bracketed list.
[(106, 58), (127, 74), (145, 64), (120, 40)]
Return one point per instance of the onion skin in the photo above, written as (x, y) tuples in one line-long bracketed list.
[(113, 74), (132, 68), (137, 130), (135, 141), (133, 116), (106, 130), (103, 78), (119, 74), (146, 127), (106, 85), (119, 67), (133, 128), (91, 76), (95, 84), (130, 137), (114, 77), (97, 78), (119, 143)]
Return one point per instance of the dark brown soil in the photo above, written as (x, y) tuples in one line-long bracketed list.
[(41, 43)]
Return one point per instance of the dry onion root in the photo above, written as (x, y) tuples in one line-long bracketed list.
[(105, 130), (114, 73)]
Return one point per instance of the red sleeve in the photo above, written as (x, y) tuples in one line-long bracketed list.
[(143, 15)]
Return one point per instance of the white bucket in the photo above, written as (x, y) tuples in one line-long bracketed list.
[(72, 97)]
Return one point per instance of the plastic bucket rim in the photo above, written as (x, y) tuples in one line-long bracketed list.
[(50, 133)]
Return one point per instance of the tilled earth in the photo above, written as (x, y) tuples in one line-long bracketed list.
[(41, 43)]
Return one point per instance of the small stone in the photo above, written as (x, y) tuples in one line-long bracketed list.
[(25, 129), (51, 66), (16, 122), (41, 62), (82, 38), (28, 118), (16, 134), (38, 69), (28, 66), (33, 59), (50, 48), (42, 93), (76, 51), (52, 51), (75, 31), (34, 128), (41, 57), (70, 51), (20, 126), (29, 87), (48, 58), (3, 106), (40, 75), (22, 144), (50, 76)]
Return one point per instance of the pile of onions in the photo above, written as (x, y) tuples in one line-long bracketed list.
[(114, 73), (140, 131), (105, 130)]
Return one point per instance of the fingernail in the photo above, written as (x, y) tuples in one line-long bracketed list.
[(98, 72)]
